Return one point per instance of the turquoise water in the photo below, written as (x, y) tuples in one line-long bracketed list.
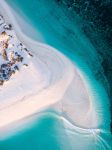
[(62, 30), (42, 135)]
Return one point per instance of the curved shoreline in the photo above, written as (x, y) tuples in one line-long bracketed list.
[(52, 88), (27, 41)]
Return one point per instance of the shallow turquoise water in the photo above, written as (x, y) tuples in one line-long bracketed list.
[(41, 135), (64, 33)]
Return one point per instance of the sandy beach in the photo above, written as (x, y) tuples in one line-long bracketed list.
[(51, 79)]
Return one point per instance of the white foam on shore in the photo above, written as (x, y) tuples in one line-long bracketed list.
[(50, 79)]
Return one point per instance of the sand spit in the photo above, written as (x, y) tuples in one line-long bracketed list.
[(49, 79)]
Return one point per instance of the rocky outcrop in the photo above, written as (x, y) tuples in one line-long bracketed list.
[(13, 54)]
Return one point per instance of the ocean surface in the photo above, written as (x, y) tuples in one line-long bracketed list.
[(63, 30)]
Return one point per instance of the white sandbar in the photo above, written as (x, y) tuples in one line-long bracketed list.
[(50, 79)]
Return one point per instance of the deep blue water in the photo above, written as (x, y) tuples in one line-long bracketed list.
[(62, 30)]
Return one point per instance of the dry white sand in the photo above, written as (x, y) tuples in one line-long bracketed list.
[(50, 79)]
